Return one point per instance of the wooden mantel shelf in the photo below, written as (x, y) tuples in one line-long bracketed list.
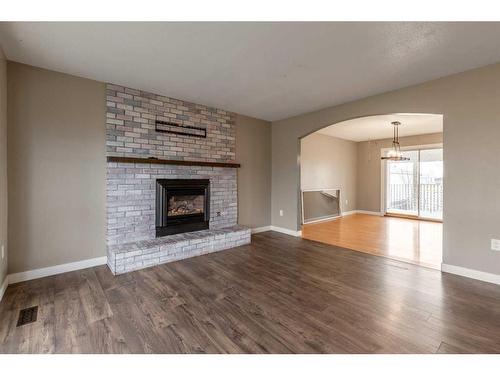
[(126, 159)]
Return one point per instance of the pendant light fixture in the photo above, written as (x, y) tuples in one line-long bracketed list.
[(394, 153)]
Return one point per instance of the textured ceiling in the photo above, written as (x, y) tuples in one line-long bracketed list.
[(266, 70)]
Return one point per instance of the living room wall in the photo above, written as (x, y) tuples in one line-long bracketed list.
[(57, 168), (3, 168), (469, 103), (253, 151)]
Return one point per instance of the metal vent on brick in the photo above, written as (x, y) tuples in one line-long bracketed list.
[(174, 128), (27, 316)]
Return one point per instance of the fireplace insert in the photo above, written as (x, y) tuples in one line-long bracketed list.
[(182, 205)]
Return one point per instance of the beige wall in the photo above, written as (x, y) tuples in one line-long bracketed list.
[(56, 168), (471, 130), (369, 167), (3, 165), (329, 162), (253, 151)]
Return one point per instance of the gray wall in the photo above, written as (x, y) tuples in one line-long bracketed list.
[(469, 103), (253, 151), (56, 168), (330, 162), (369, 167), (3, 164)]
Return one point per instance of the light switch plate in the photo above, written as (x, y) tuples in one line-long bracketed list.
[(495, 244), (3, 251), (281, 212)]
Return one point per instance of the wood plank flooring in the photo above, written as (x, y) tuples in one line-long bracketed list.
[(280, 294), (409, 240)]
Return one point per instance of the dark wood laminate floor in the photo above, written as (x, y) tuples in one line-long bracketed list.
[(278, 295)]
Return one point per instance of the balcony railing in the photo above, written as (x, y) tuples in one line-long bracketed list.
[(403, 197)]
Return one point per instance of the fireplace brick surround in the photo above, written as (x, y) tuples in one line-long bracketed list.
[(131, 187), (131, 193), (130, 127)]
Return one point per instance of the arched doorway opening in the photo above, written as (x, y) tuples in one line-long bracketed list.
[(351, 197)]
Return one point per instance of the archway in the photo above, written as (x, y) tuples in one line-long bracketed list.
[(350, 197)]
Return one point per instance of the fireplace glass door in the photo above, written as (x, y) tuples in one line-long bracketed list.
[(185, 204), (182, 206)]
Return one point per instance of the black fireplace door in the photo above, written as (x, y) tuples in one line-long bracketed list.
[(182, 206)]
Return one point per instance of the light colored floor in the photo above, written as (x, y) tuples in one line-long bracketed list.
[(415, 241)]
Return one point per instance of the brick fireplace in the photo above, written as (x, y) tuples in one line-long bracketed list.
[(132, 183)]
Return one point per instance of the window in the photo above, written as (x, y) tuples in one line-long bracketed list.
[(415, 187)]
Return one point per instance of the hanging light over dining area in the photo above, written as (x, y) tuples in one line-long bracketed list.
[(394, 153)]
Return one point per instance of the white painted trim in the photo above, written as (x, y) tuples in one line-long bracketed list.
[(347, 213), (337, 188), (328, 218), (470, 273), (319, 219), (260, 229), (369, 212), (54, 270), (4, 286), (383, 187), (287, 231)]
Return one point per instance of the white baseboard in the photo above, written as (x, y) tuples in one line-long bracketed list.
[(54, 270), (287, 231), (347, 213), (260, 229), (328, 218), (376, 213), (4, 286), (470, 273)]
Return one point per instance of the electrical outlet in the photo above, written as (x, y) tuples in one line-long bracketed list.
[(495, 244), (346, 202), (281, 212), (3, 251)]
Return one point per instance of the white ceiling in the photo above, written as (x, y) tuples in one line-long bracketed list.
[(266, 70), (380, 127)]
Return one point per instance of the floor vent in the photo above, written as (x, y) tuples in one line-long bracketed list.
[(27, 316)]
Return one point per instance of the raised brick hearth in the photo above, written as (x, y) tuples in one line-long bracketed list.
[(131, 187), (141, 254)]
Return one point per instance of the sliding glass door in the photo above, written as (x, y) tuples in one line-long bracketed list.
[(431, 184), (415, 187), (402, 185)]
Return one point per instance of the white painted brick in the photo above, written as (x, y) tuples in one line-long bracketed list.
[(173, 248)]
